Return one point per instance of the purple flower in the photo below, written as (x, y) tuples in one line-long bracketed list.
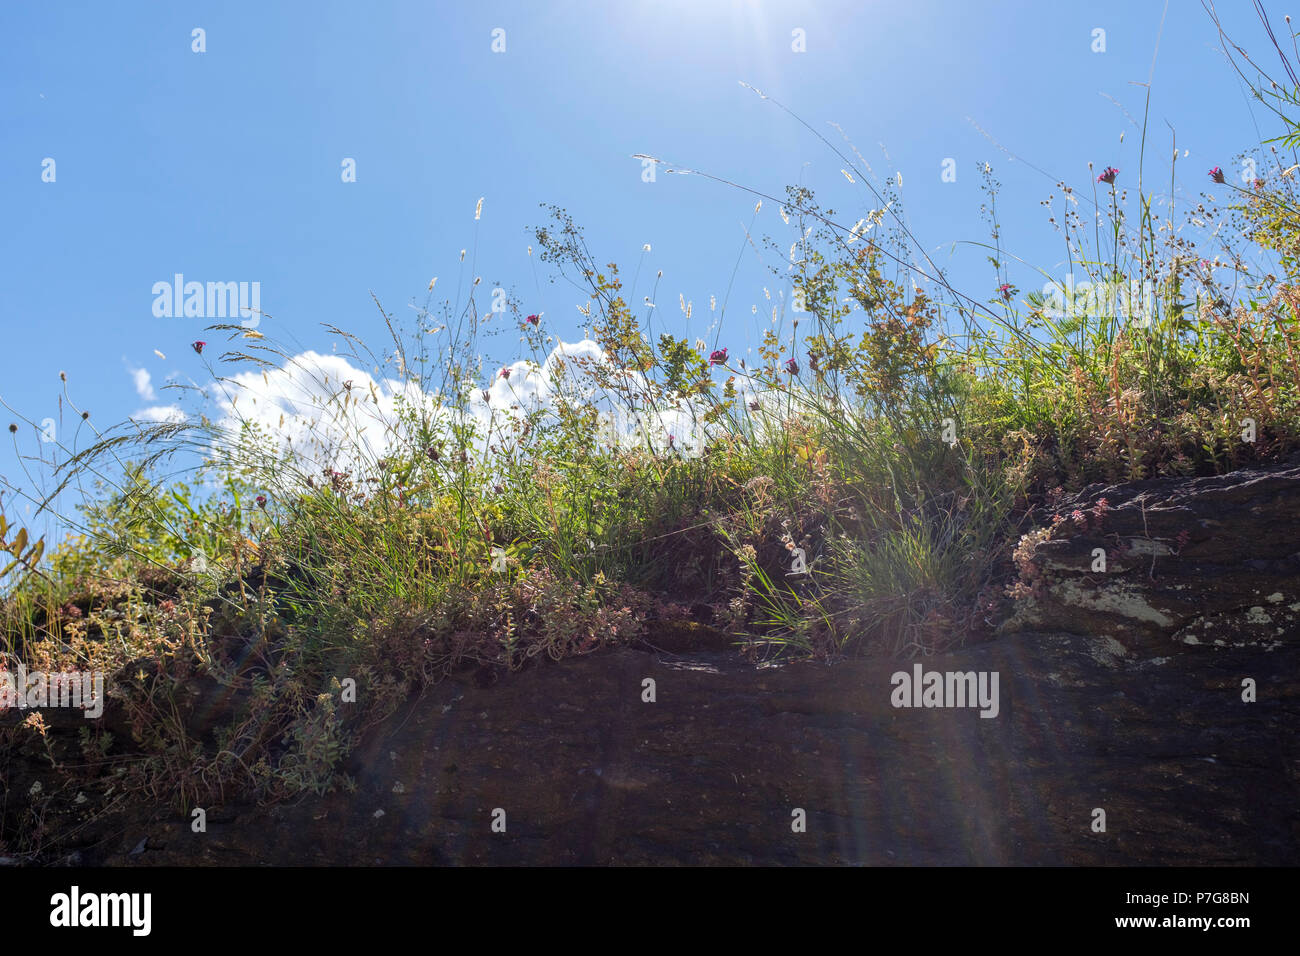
[(533, 319), (505, 373), (1005, 290), (1108, 175), (718, 357), (1216, 174), (198, 347), (792, 366), (261, 502)]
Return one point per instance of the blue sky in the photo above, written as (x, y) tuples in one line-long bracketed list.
[(225, 165)]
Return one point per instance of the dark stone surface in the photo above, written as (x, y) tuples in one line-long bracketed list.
[(1201, 560)]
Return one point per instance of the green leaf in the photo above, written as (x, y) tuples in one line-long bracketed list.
[(184, 502)]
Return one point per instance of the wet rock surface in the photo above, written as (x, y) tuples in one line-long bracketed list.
[(1119, 691)]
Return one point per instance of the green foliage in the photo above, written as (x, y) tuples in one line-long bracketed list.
[(25, 554)]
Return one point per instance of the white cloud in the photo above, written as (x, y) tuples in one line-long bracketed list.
[(321, 408), (143, 384), (331, 414), (160, 413)]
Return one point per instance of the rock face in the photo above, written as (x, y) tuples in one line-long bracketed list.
[(1196, 561), (1122, 696)]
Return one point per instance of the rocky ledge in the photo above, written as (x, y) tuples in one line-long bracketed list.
[(1143, 713)]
